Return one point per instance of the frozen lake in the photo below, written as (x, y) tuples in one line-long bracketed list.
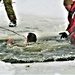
[(45, 18)]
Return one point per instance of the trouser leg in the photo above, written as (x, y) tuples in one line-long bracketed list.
[(9, 9)]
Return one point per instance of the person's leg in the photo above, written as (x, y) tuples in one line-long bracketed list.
[(10, 12)]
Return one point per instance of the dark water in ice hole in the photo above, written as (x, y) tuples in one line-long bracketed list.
[(44, 50)]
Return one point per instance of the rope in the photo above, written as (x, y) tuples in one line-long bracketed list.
[(13, 32)]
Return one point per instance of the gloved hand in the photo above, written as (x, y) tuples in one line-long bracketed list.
[(63, 35)]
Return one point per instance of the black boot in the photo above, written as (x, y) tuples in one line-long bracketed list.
[(12, 24)]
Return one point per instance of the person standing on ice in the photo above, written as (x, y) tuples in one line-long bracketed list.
[(70, 7), (10, 12)]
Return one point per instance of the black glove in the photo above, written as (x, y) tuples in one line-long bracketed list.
[(63, 35)]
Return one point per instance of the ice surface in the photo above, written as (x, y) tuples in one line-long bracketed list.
[(48, 68)]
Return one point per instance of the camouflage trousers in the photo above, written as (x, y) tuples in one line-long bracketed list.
[(9, 9)]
